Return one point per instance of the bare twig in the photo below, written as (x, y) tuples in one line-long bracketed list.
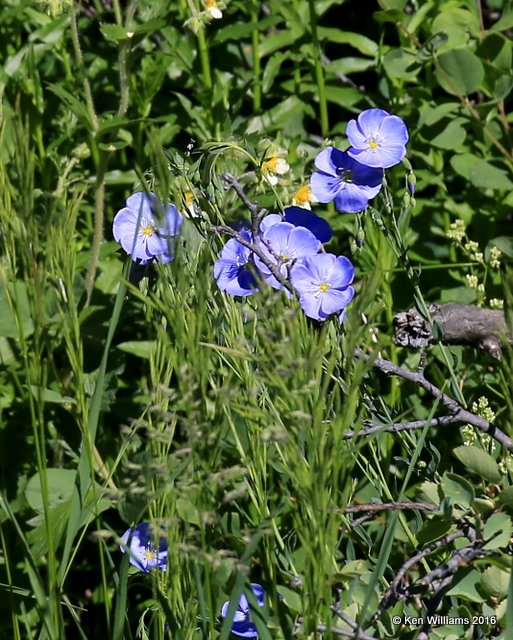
[(404, 426), (459, 413), (385, 506), (234, 184), (432, 606), (394, 592), (252, 246), (369, 509)]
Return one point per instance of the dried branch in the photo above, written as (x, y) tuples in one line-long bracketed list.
[(404, 426), (273, 268), (385, 506), (369, 509), (461, 324), (256, 212), (459, 413), (394, 591)]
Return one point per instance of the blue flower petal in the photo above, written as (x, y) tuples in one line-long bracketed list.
[(305, 218)]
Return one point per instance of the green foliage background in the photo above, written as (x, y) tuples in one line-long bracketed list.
[(222, 419)]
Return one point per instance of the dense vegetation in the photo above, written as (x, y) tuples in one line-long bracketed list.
[(250, 454)]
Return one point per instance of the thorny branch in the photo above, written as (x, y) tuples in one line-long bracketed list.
[(456, 411)]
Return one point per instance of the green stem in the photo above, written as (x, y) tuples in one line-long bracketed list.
[(80, 60), (319, 72), (98, 226), (205, 59), (257, 80)]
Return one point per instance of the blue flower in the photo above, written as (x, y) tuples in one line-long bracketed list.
[(300, 217), (323, 283), (283, 244), (147, 547), (242, 624), (234, 271), (143, 228), (377, 138), (348, 182)]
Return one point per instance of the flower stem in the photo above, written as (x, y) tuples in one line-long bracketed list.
[(319, 72)]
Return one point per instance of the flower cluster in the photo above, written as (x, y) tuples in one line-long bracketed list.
[(287, 250), (242, 625), (146, 546), (145, 228), (351, 178)]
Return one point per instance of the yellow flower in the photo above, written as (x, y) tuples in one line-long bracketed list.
[(274, 165), (213, 8), (303, 197)]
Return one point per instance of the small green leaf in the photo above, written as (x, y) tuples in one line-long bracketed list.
[(497, 530), (480, 173), (114, 32), (505, 498), (452, 136), (495, 582), (505, 244), (139, 348), (457, 489), (60, 483), (187, 511), (362, 44), (48, 395), (478, 462), (466, 587), (460, 72)]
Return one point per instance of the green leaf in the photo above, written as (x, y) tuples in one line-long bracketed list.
[(504, 243), (114, 32), (362, 44), (480, 173), (139, 348), (457, 489), (271, 69), (497, 531), (478, 462), (188, 511), (495, 582), (392, 15), (400, 64), (60, 483), (432, 114), (349, 64), (466, 587), (452, 136), (505, 497), (460, 72), (241, 30), (8, 320), (504, 22), (48, 395)]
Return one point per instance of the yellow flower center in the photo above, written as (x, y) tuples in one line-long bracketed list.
[(188, 196), (284, 258), (373, 143), (210, 4), (148, 231), (149, 554), (271, 164), (302, 195), (324, 286)]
